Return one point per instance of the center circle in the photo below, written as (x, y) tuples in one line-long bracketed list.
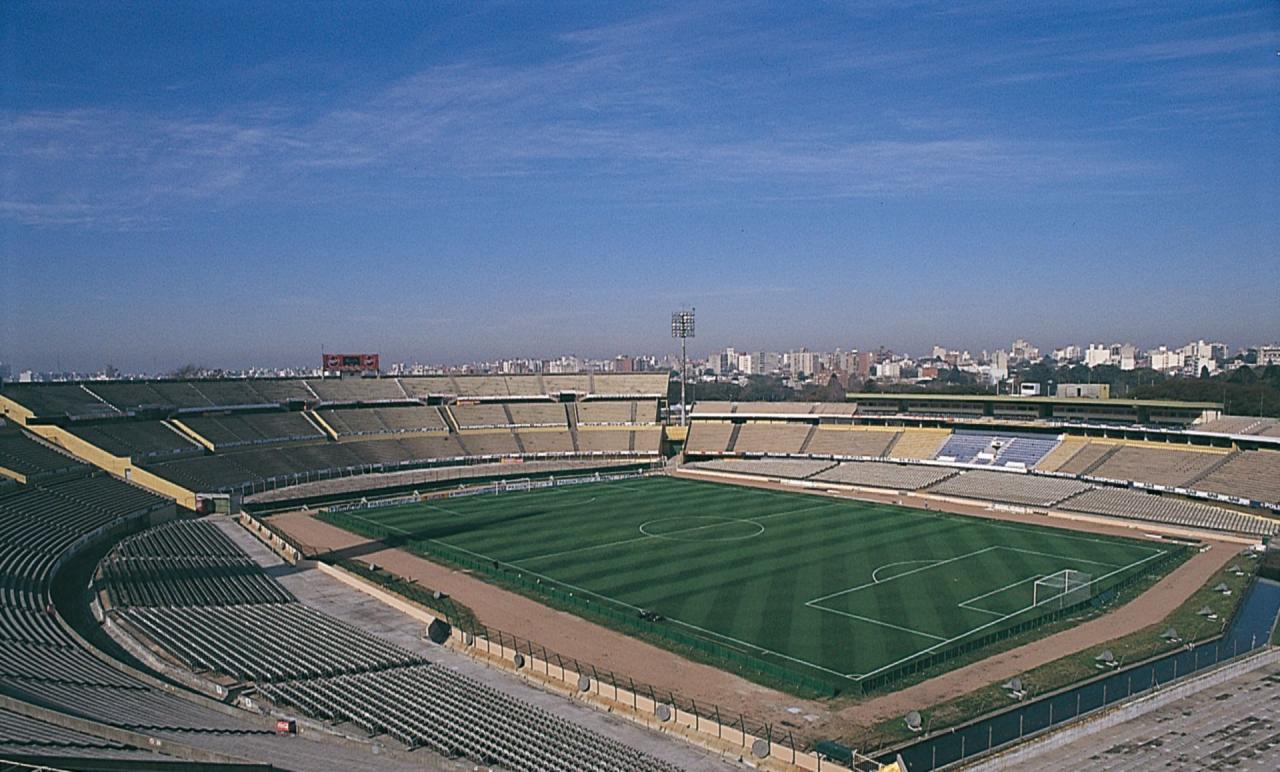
[(702, 528)]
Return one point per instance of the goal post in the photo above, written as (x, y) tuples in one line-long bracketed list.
[(1062, 589)]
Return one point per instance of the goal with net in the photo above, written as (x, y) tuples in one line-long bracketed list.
[(1062, 589)]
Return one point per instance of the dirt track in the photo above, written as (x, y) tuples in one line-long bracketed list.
[(573, 636)]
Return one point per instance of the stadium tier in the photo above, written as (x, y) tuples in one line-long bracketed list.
[(139, 440), (435, 707), (841, 441), (1172, 467), (787, 468), (1029, 490), (917, 445), (618, 412), (97, 398), (872, 474), (24, 458), (1246, 425), (185, 563), (1118, 502), (383, 420), (240, 429), (264, 642), (1252, 474), (771, 438), (357, 389)]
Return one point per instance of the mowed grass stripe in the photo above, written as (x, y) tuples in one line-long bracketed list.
[(752, 592)]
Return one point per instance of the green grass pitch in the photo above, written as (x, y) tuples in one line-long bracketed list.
[(836, 587)]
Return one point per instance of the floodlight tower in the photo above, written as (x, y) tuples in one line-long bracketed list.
[(682, 328)]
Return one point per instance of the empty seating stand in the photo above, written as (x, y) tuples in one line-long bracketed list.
[(185, 563), (1119, 502), (1012, 488), (26, 456), (873, 474), (432, 706)]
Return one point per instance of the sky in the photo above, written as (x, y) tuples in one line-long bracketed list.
[(244, 183)]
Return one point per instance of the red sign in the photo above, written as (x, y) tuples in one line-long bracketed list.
[(285, 726), (354, 363)]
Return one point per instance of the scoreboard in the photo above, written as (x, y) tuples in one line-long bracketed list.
[(351, 363)]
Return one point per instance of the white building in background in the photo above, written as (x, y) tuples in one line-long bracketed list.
[(1121, 355), (1165, 360), (999, 368), (1021, 351), (890, 371), (1269, 355), (1067, 354), (749, 364), (1097, 354), (1200, 355), (804, 362)]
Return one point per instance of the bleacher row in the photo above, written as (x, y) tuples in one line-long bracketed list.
[(185, 563), (40, 662), (435, 707), (31, 458), (1250, 474), (1119, 502), (1003, 487), (99, 398), (300, 658), (243, 469)]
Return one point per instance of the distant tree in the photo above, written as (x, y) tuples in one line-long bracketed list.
[(1244, 375), (1204, 372), (188, 370), (835, 391)]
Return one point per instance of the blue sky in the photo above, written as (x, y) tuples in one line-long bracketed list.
[(241, 183)]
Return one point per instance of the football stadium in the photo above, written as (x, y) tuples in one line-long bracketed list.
[(550, 572)]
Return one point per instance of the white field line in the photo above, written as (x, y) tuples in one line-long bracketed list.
[(652, 536), (965, 603), (442, 509), (882, 624), (860, 676), (1002, 589), (584, 591), (898, 576), (899, 563), (1061, 557)]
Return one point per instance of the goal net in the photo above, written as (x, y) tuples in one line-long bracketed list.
[(1063, 589)]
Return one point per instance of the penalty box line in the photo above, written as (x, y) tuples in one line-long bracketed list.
[(935, 647)]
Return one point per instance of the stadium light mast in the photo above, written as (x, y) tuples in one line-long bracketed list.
[(682, 328)]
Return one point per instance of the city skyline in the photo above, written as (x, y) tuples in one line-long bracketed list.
[(450, 183)]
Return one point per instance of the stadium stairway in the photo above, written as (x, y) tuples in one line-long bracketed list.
[(1104, 458), (889, 449), (804, 446), (449, 419), (571, 414), (189, 432), (322, 425), (733, 438), (1215, 467)]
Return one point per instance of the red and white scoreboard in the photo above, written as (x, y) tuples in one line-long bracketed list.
[(351, 363)]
